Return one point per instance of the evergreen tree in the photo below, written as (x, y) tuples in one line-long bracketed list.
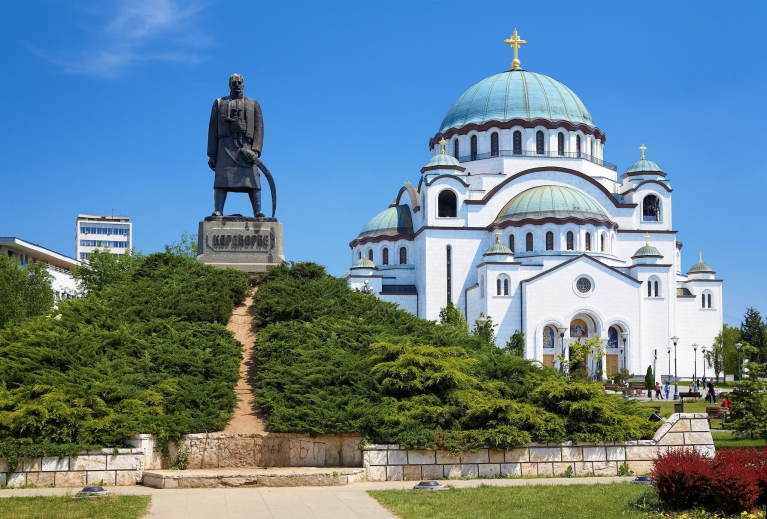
[(749, 409), (24, 291), (752, 331), (452, 316), (485, 330), (649, 381), (516, 344), (102, 268)]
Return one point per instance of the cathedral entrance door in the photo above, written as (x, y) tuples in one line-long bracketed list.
[(612, 364)]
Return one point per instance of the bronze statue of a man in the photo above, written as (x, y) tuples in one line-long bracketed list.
[(235, 138)]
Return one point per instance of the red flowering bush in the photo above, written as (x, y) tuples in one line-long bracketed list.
[(682, 478), (735, 481)]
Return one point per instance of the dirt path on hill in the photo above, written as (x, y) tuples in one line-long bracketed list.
[(247, 418)]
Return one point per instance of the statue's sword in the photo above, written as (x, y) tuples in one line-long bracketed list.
[(273, 190)]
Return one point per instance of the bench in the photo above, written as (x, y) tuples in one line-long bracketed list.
[(614, 387), (712, 411), (638, 386), (692, 394)]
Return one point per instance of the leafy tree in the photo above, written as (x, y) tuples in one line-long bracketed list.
[(186, 246), (452, 316), (596, 348), (749, 409), (102, 268), (24, 291), (574, 364), (516, 344), (723, 355), (485, 330), (752, 331)]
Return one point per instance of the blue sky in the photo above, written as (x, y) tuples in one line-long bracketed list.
[(105, 109)]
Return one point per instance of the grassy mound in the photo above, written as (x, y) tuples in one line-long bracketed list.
[(331, 360), (146, 353)]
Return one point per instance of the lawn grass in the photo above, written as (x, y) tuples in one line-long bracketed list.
[(69, 507), (520, 502), (727, 440)]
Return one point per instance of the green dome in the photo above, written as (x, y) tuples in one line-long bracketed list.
[(394, 220), (558, 202), (648, 251), (442, 161), (644, 165), (497, 249), (516, 94), (363, 263), (701, 268)]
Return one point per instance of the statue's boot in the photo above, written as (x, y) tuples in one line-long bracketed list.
[(255, 201), (219, 199)]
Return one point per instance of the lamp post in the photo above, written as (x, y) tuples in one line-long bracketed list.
[(668, 380), (562, 331), (695, 361), (738, 346), (703, 352), (480, 322), (675, 339), (625, 337)]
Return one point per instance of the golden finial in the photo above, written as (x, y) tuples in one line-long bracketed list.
[(442, 142), (498, 236), (646, 239), (516, 42), (407, 183), (643, 147)]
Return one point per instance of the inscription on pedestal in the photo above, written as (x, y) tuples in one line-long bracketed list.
[(249, 244)]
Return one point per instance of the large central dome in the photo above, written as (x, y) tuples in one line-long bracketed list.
[(552, 203), (517, 94)]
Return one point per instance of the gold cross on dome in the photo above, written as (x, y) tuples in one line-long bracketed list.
[(643, 147), (498, 236), (701, 256), (516, 42), (646, 239), (407, 183), (442, 142)]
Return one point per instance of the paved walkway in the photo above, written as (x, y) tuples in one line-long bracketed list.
[(344, 502)]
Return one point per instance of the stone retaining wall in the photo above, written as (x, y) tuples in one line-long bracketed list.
[(393, 463)]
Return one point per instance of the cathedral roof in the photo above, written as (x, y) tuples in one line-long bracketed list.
[(701, 268), (442, 161), (498, 248), (390, 222), (648, 251), (644, 165), (557, 202), (516, 94), (363, 263)]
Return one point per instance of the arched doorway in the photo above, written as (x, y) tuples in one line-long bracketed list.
[(584, 326)]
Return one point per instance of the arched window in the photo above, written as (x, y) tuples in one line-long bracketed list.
[(385, 259), (473, 147), (498, 286), (549, 240), (359, 254), (511, 242), (703, 300), (494, 144), (370, 254), (588, 241), (449, 276), (447, 204), (529, 241), (506, 289), (570, 240), (651, 209), (517, 142), (455, 148), (649, 288), (402, 256), (578, 145), (657, 292), (482, 286), (548, 337), (561, 143), (539, 147), (709, 300), (602, 243), (653, 287), (612, 337)]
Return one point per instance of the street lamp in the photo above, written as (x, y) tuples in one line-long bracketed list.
[(668, 380), (625, 337), (562, 331), (675, 339), (738, 346), (480, 322), (703, 352), (695, 360)]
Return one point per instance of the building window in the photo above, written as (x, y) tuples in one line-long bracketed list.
[(602, 243), (402, 256), (657, 292), (482, 286), (473, 147), (612, 337), (447, 204), (570, 240), (649, 288), (498, 286), (709, 300), (561, 143), (529, 241), (385, 260), (588, 241), (359, 254), (455, 148), (517, 142), (511, 242), (370, 254), (549, 240), (494, 144), (506, 288), (539, 147), (578, 145), (583, 285), (449, 277), (548, 337), (651, 209)]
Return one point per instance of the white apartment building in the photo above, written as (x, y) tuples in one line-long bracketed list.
[(60, 266), (92, 232)]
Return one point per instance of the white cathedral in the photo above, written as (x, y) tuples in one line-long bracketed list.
[(517, 216)]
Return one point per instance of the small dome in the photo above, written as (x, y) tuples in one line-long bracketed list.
[(516, 94), (363, 263), (648, 251), (442, 161), (558, 202), (701, 268), (498, 248), (390, 222), (644, 165)]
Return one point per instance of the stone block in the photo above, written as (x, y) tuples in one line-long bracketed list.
[(616, 453), (376, 473), (71, 478), (663, 429), (394, 473), (545, 469), (445, 458), (251, 245), (236, 452), (489, 470), (481, 456), (545, 454), (432, 472), (126, 477), (376, 458), (497, 456), (351, 456), (641, 453), (198, 482), (3, 478), (511, 469), (54, 464), (412, 472), (17, 479), (594, 454), (572, 454), (302, 452), (397, 457), (705, 450), (32, 464), (88, 463), (605, 468), (153, 482), (332, 450), (41, 479), (469, 470), (3, 466), (521, 455), (583, 468), (169, 483), (125, 462), (672, 439), (529, 469), (640, 468), (100, 477), (698, 438), (699, 425), (560, 468), (681, 426), (420, 457), (452, 471)]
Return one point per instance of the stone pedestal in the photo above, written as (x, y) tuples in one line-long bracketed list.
[(239, 242)]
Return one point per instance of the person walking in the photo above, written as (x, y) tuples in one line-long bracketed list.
[(668, 389), (657, 391), (711, 392)]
